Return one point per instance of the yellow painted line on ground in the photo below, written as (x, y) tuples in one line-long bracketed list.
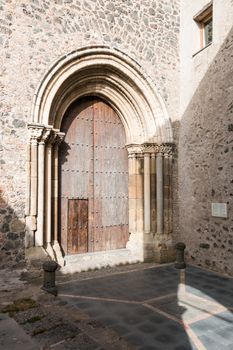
[(187, 329), (56, 344), (182, 276), (171, 317), (190, 333), (206, 300), (205, 314), (99, 298), (182, 285), (167, 296), (196, 341)]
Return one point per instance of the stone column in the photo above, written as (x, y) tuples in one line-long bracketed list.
[(147, 213), (135, 243), (35, 133), (153, 193), (166, 192), (140, 193), (28, 170), (167, 150), (132, 193), (48, 194), (39, 239), (159, 191), (170, 192), (55, 178)]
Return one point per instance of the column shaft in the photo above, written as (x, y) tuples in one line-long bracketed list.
[(159, 188), (166, 193), (170, 196), (153, 193), (132, 193), (139, 192), (48, 190), (34, 177), (39, 239), (55, 193), (147, 192), (28, 194)]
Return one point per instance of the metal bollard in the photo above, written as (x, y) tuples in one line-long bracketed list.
[(49, 285), (180, 263)]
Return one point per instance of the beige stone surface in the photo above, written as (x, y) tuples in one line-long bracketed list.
[(205, 166)]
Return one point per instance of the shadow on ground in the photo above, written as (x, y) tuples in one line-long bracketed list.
[(159, 308)]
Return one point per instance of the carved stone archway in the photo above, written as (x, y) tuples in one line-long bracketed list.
[(120, 81)]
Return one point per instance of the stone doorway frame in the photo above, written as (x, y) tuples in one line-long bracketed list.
[(121, 82)]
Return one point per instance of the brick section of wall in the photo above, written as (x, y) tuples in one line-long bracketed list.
[(34, 34), (206, 166)]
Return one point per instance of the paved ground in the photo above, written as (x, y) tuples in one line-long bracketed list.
[(126, 308), (161, 307)]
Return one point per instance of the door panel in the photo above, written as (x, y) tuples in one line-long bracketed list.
[(94, 167), (77, 226), (110, 180), (75, 163)]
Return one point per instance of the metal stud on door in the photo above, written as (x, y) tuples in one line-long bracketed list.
[(94, 171), (77, 226)]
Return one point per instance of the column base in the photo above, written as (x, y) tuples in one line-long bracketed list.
[(30, 222), (148, 246), (58, 253), (50, 251), (158, 248), (164, 253)]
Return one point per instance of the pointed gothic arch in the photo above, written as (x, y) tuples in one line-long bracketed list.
[(120, 81)]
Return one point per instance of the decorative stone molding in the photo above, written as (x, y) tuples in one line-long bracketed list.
[(59, 138), (46, 134), (150, 148), (134, 149), (51, 139), (121, 82), (165, 148), (36, 131)]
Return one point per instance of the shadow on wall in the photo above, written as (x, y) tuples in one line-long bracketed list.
[(206, 164), (12, 236)]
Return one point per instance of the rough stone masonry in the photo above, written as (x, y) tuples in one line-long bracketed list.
[(34, 34)]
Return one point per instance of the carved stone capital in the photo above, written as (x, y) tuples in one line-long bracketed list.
[(50, 140), (167, 149), (35, 132), (134, 150), (150, 148), (59, 138), (46, 134)]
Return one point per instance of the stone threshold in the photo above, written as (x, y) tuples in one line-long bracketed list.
[(98, 260)]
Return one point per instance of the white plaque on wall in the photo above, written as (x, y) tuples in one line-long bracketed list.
[(219, 210)]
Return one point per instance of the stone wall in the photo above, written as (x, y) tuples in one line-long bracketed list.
[(36, 33), (195, 63), (206, 166)]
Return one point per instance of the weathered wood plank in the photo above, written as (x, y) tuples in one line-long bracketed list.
[(77, 239), (94, 166)]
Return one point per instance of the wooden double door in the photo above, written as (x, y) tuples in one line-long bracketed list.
[(93, 167)]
